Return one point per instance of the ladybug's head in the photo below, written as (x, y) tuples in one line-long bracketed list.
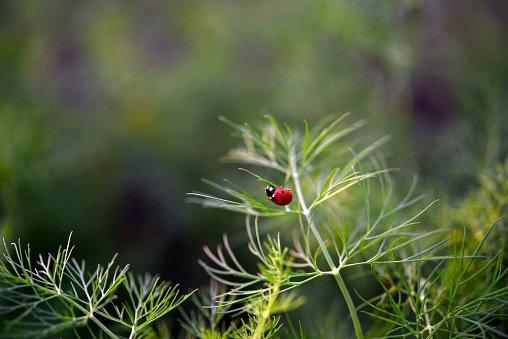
[(269, 191)]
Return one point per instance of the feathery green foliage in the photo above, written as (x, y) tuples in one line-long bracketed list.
[(348, 216), (57, 293)]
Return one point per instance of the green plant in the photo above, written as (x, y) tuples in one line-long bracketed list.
[(57, 293), (457, 298), (482, 205), (347, 217)]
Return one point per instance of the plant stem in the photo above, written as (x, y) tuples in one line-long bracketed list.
[(264, 317), (306, 211), (337, 275), (350, 305)]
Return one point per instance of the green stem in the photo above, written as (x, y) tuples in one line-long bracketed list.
[(264, 317), (350, 305), (331, 264), (136, 317), (102, 326), (306, 211)]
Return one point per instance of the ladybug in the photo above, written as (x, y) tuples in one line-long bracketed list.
[(279, 196)]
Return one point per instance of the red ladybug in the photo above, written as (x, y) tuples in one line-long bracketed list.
[(279, 196)]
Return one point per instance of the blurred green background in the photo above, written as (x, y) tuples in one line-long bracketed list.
[(108, 109)]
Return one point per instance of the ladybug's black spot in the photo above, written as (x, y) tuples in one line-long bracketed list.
[(282, 200), (273, 198), (282, 192)]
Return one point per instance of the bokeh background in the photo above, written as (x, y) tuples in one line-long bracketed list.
[(108, 109)]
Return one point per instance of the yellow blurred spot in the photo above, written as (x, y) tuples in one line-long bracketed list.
[(139, 112)]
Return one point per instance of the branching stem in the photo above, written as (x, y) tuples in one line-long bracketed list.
[(307, 213)]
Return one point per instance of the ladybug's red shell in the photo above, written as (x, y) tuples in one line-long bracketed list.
[(279, 196)]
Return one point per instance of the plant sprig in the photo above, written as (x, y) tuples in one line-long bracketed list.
[(431, 308), (374, 237), (58, 293)]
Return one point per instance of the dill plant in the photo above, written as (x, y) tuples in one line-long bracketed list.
[(348, 215), (57, 293)]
